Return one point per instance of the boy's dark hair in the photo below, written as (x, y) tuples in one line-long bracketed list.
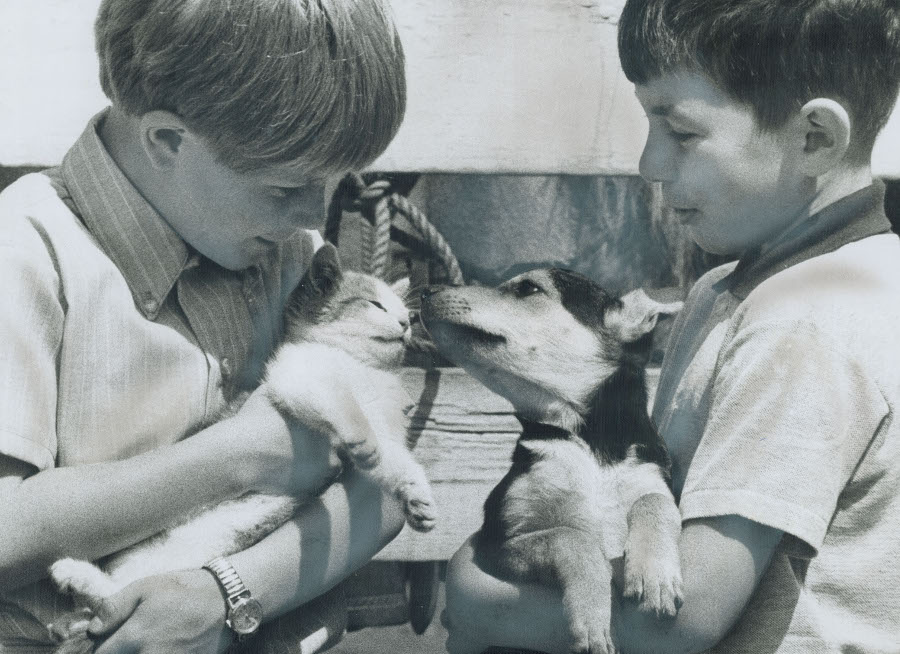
[(775, 55), (313, 83)]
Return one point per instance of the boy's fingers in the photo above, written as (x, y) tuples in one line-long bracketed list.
[(115, 610)]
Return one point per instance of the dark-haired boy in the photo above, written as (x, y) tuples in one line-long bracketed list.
[(144, 281), (779, 393)]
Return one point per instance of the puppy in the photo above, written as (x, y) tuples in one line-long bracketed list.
[(590, 474)]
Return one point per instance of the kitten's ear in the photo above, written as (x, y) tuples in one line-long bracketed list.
[(325, 272), (401, 287), (318, 283), (638, 315)]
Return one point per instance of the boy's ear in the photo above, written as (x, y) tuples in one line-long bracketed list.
[(162, 137), (638, 315), (826, 132)]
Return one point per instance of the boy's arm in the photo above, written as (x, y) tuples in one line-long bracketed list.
[(93, 510), (722, 561), (327, 541)]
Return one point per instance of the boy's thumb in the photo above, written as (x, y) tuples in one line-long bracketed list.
[(112, 611)]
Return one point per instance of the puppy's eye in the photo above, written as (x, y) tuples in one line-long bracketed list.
[(527, 287), (377, 304)]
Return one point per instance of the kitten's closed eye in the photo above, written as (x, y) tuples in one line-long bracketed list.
[(378, 304)]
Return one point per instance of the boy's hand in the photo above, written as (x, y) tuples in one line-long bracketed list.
[(283, 456), (176, 612)]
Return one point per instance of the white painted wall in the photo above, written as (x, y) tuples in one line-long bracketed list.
[(504, 86)]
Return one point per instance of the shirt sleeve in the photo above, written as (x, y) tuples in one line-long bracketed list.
[(791, 416), (31, 326)]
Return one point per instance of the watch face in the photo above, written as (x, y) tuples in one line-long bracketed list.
[(245, 616)]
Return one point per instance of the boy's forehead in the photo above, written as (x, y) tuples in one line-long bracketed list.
[(681, 93)]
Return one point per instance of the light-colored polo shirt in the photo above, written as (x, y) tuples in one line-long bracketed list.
[(115, 338), (778, 400)]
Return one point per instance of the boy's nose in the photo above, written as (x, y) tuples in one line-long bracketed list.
[(654, 165)]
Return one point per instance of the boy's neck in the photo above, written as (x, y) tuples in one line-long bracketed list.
[(120, 134), (825, 191), (838, 185)]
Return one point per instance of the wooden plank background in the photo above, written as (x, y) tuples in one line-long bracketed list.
[(522, 86)]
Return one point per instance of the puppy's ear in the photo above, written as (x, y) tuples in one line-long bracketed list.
[(638, 315)]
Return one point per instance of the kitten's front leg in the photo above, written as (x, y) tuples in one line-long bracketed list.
[(400, 473), (323, 400)]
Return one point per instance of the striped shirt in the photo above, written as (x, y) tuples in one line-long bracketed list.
[(116, 338)]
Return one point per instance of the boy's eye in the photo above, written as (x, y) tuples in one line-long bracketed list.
[(280, 191), (285, 191), (377, 304), (681, 137), (527, 287)]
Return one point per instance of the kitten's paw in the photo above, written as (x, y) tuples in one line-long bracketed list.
[(419, 506), (654, 582), (70, 631), (82, 579)]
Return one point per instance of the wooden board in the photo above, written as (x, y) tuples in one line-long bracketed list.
[(521, 86)]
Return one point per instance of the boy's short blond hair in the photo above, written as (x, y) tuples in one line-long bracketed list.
[(314, 83)]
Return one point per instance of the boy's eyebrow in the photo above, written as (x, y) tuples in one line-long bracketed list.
[(670, 111)]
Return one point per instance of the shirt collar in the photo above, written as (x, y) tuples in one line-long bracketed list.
[(147, 251), (854, 217)]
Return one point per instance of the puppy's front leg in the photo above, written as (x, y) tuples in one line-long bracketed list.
[(652, 560), (573, 561)]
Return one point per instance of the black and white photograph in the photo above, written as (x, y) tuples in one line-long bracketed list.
[(449, 326)]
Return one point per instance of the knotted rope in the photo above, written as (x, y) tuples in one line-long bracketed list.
[(381, 206)]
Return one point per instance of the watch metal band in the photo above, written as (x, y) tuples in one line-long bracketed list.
[(228, 577)]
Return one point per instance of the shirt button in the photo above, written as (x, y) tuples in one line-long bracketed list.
[(150, 306), (226, 368)]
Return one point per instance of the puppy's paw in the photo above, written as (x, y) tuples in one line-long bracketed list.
[(592, 636), (419, 506), (654, 582)]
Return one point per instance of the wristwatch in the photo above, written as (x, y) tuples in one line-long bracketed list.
[(244, 613)]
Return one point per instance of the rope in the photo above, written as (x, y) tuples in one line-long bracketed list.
[(431, 236), (379, 206)]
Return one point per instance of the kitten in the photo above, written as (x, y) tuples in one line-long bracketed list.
[(345, 335)]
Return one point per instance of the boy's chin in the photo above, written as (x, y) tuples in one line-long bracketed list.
[(717, 245)]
